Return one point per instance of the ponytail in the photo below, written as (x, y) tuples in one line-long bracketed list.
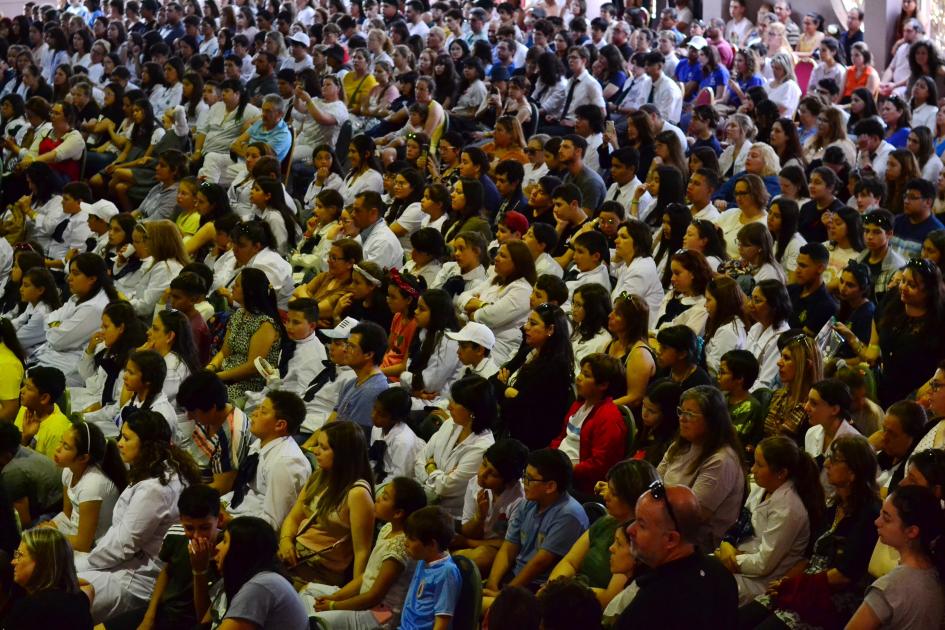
[(918, 506), (782, 453), (89, 440)]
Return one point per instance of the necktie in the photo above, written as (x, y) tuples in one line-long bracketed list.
[(59, 232), (468, 372), (325, 376), (652, 96), (288, 351), (616, 194), (567, 100), (244, 476)]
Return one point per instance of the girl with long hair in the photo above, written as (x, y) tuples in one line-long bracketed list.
[(403, 296), (845, 234), (269, 205), (800, 366), (856, 310), (535, 385), (165, 249), (11, 302), (707, 441), (170, 335), (725, 328), (93, 476), (704, 237), (365, 173), (210, 203), (685, 302), (769, 308), (787, 143), (756, 255), (674, 221), (433, 359), (658, 422), (783, 220), (329, 530), (122, 567), (830, 132), (786, 506), (590, 308), (38, 290), (628, 323), (862, 106), (367, 297), (920, 145)]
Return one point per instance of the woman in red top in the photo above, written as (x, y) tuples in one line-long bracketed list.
[(860, 73), (62, 148), (594, 436)]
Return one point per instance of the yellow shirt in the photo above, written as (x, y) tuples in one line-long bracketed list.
[(356, 88), (50, 430), (188, 224), (12, 370)]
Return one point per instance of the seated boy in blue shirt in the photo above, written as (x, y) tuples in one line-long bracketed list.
[(434, 589), (542, 530)]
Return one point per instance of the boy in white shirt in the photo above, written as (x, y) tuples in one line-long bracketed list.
[(320, 395), (541, 239), (591, 262), (70, 234), (394, 445)]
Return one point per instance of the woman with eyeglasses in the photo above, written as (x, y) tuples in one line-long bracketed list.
[(830, 132), (535, 383), (828, 413), (903, 337), (705, 457), (786, 506)]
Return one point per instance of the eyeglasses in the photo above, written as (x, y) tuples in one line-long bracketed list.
[(936, 385), (528, 479), (658, 491), (686, 415), (741, 193)]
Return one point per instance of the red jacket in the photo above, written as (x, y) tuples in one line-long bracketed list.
[(603, 443)]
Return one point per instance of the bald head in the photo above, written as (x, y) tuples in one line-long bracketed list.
[(665, 526)]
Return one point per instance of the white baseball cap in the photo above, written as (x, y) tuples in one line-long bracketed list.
[(698, 42), (342, 330), (300, 38), (475, 333), (103, 209)]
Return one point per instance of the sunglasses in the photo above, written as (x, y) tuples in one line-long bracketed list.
[(658, 491)]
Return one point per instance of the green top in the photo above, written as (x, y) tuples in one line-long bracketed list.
[(596, 565), (747, 419)]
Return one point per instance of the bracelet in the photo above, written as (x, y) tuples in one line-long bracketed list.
[(204, 572)]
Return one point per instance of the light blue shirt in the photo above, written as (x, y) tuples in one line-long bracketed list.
[(279, 137)]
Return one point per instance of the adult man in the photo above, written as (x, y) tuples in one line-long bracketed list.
[(854, 32), (582, 89), (662, 92), (872, 150), (415, 23), (897, 73), (299, 51), (221, 436), (782, 9), (367, 343), (477, 21), (619, 37), (688, 70), (270, 128), (934, 400), (219, 129), (658, 123), (702, 185), (916, 221), (265, 80), (571, 156), (172, 28), (379, 243), (662, 537), (903, 426)]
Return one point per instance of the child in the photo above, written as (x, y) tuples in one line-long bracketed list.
[(541, 239), (738, 370), (302, 357), (427, 249), (186, 291), (492, 497), (321, 230), (591, 262), (417, 118), (72, 231), (394, 445), (433, 360), (374, 600), (508, 181), (267, 487), (594, 436), (269, 205), (548, 289), (93, 475), (883, 261), (39, 291), (188, 220), (100, 215), (869, 193), (570, 216), (435, 206), (511, 226), (812, 304), (186, 552), (321, 393), (39, 419), (435, 587), (403, 293), (549, 522)]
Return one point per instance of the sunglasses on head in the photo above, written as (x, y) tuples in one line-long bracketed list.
[(658, 491)]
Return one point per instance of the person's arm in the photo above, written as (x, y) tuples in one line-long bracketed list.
[(434, 120), (504, 561), (223, 482), (88, 523), (159, 587), (239, 145), (290, 527), (869, 353), (571, 563), (361, 510), (864, 619), (203, 236), (639, 371), (199, 139), (259, 345), (539, 563), (388, 575), (9, 409), (442, 622), (22, 507)]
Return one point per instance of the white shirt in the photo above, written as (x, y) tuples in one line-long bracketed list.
[(587, 91), (382, 246), (694, 317), (624, 194), (581, 348), (283, 470), (486, 368), (640, 278), (221, 127), (155, 279), (730, 336), (279, 273), (932, 169), (551, 98), (737, 32), (368, 180), (30, 326), (781, 534), (924, 116), (93, 486), (314, 133), (411, 219), (401, 452), (708, 213), (729, 157), (442, 365), (786, 96), (879, 161), (597, 275), (324, 400), (456, 464), (47, 218), (763, 343), (68, 330), (545, 264), (532, 174), (730, 222), (505, 309), (667, 97)]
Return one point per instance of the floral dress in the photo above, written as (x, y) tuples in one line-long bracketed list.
[(242, 326)]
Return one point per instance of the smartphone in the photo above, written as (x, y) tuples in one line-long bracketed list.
[(611, 128)]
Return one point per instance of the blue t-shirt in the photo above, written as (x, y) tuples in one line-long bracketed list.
[(908, 236), (686, 72), (554, 530), (899, 138), (719, 78), (433, 592), (355, 402), (744, 85)]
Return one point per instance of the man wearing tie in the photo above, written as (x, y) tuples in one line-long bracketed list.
[(582, 89), (663, 92)]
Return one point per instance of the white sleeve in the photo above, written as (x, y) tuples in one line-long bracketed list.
[(724, 339), (285, 484), (470, 508), (403, 454), (142, 521), (452, 483), (159, 278), (86, 366), (510, 307), (75, 331), (782, 528)]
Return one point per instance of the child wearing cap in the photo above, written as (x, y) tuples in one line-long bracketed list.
[(100, 215)]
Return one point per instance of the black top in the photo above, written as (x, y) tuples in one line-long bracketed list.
[(809, 223), (698, 377), (693, 592), (811, 311), (50, 609)]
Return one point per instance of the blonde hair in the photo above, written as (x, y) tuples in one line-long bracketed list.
[(52, 555), (786, 62), (808, 366), (514, 126), (164, 241), (772, 161)]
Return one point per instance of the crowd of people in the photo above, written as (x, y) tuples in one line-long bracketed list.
[(358, 314)]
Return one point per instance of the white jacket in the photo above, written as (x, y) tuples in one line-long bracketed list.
[(694, 317), (68, 330), (730, 336), (640, 278), (505, 310), (456, 464), (763, 343), (155, 279)]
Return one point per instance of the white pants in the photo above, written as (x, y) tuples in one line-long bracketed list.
[(337, 619), (117, 592), (219, 168)]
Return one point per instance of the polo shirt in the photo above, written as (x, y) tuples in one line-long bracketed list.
[(592, 187), (811, 311), (279, 137), (355, 401), (554, 530), (50, 430), (225, 450), (433, 592)]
